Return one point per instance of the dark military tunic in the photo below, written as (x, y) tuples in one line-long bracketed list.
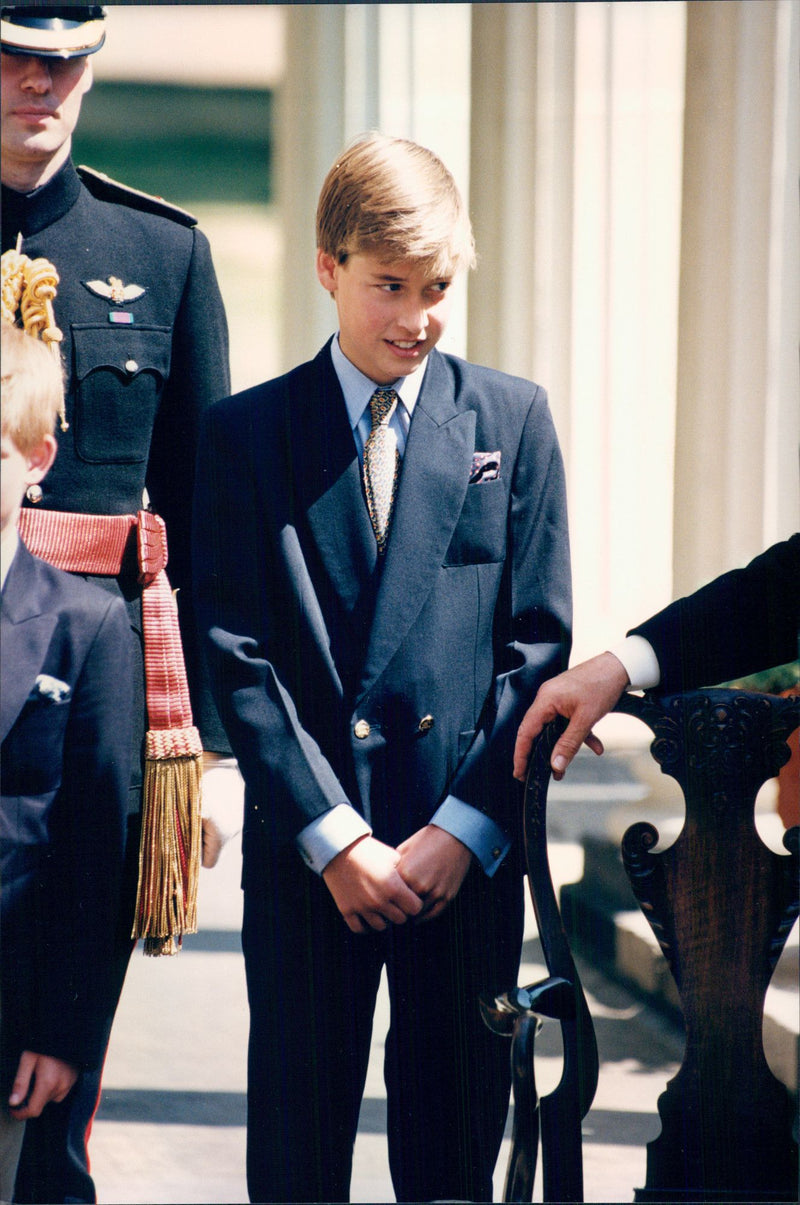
[(146, 351)]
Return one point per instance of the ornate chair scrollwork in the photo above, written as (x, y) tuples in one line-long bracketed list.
[(721, 905)]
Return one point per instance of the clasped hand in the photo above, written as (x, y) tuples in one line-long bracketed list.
[(375, 885)]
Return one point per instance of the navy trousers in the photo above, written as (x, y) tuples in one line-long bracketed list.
[(312, 986)]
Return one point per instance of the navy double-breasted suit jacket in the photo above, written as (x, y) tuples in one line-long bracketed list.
[(65, 724), (385, 687)]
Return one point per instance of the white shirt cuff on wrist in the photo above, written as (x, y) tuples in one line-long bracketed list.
[(321, 840), (639, 661)]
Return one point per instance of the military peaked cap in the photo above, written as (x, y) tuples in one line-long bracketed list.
[(64, 31)]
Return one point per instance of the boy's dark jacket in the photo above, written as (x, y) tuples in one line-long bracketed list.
[(65, 724), (309, 639)]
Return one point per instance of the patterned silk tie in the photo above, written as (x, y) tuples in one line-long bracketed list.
[(381, 464)]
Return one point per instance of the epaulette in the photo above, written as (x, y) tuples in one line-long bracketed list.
[(106, 189)]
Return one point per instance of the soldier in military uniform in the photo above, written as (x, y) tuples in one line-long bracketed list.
[(145, 350)]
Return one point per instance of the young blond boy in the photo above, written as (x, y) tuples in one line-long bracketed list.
[(380, 606), (65, 725)]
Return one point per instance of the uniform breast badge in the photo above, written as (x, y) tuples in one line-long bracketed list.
[(118, 294)]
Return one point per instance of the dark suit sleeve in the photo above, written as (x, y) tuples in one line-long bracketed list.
[(533, 616), (742, 622), (199, 375), (80, 884), (242, 608)]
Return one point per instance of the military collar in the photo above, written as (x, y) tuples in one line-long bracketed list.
[(29, 213)]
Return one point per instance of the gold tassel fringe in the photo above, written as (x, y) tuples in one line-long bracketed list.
[(169, 853)]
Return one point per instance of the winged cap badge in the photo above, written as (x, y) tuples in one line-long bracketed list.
[(115, 291)]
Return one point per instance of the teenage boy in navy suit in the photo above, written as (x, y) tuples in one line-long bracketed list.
[(65, 724), (373, 644)]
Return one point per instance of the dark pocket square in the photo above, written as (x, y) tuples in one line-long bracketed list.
[(485, 467)]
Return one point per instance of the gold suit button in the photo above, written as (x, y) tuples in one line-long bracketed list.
[(362, 730), (426, 723)]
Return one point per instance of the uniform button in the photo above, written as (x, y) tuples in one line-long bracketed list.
[(362, 730), (496, 852), (131, 366), (33, 493), (426, 723)]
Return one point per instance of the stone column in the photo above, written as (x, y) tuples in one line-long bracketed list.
[(576, 127), (738, 420), (523, 103)]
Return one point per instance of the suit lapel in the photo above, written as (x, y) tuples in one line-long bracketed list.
[(25, 634), (334, 502), (430, 496)]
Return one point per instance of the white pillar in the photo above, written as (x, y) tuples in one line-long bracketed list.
[(576, 199), (521, 198), (736, 472), (782, 445), (309, 131), (625, 299)]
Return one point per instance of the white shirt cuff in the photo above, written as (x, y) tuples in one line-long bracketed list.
[(321, 840), (639, 661), (485, 839)]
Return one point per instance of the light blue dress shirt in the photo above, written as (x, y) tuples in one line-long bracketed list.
[(320, 841), (358, 390)]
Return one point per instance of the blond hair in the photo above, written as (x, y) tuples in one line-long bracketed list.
[(397, 199), (32, 393)]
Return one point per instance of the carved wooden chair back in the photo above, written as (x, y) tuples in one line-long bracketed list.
[(721, 905)]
